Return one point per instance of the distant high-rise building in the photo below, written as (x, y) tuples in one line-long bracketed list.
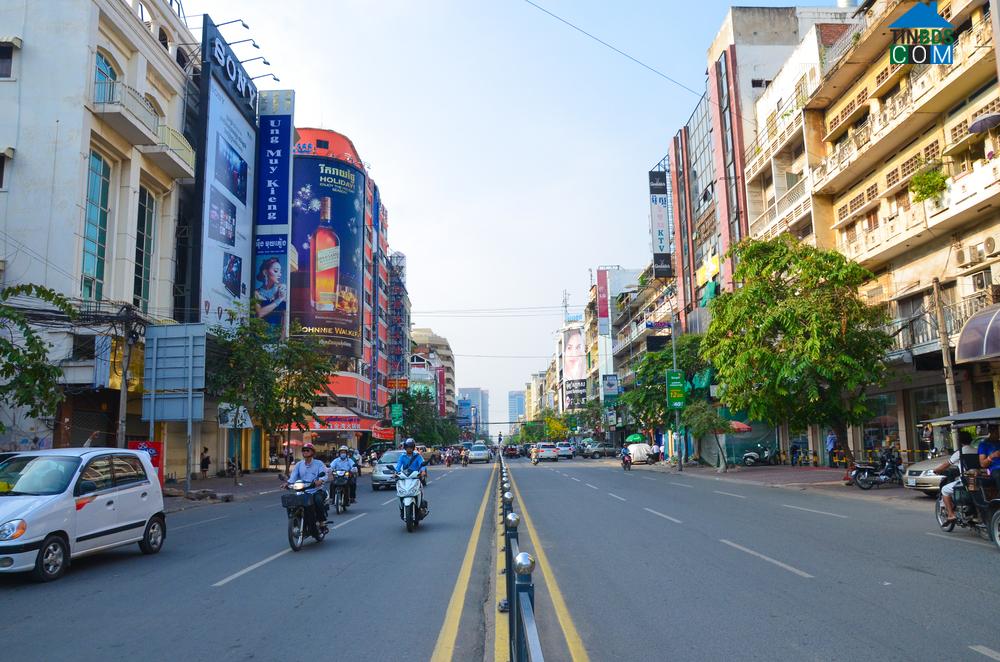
[(426, 343), (480, 399), (515, 407)]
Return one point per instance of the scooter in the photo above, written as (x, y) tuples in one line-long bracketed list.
[(534, 459), (412, 505), (302, 521), (627, 462), (447, 460), (866, 476), (767, 456), (465, 460), (339, 496)]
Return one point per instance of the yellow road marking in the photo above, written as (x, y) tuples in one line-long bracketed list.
[(501, 635), (444, 649), (572, 636)]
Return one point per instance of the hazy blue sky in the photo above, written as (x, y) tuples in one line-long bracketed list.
[(510, 150)]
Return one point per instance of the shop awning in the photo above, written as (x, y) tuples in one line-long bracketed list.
[(979, 339), (992, 414)]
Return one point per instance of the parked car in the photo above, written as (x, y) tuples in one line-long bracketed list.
[(547, 451), (565, 449), (921, 476), (479, 453), (59, 504), (599, 450), (384, 473)]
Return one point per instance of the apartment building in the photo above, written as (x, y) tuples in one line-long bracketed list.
[(427, 342), (909, 186)]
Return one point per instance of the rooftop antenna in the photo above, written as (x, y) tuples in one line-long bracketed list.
[(565, 303)]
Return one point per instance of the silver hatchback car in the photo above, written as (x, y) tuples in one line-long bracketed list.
[(384, 474)]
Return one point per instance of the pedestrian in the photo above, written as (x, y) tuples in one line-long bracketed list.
[(831, 443), (206, 460)]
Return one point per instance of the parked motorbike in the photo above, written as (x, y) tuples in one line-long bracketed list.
[(340, 496), (764, 456), (412, 505), (627, 462), (866, 476), (302, 515)]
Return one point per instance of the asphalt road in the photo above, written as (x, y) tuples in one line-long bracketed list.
[(227, 587), (654, 566)]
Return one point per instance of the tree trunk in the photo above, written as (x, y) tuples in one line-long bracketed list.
[(840, 428), (723, 462)]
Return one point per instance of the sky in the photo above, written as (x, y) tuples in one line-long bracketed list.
[(510, 150)]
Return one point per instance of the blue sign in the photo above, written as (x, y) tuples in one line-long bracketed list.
[(274, 169)]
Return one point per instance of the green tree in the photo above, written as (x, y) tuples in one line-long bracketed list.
[(420, 419), (591, 415), (555, 427), (302, 371), (701, 418), (795, 343), (30, 380)]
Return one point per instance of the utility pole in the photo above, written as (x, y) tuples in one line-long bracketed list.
[(677, 413), (128, 339), (949, 367)]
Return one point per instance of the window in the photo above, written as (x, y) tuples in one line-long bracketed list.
[(105, 77), (97, 473), (322, 144), (144, 232), (95, 233), (3, 167), (163, 39), (871, 220), (6, 61), (128, 469)]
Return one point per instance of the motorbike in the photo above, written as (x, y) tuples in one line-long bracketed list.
[(447, 460), (534, 459), (976, 505), (627, 462), (412, 505), (465, 460), (866, 476), (302, 520), (340, 496), (765, 456)]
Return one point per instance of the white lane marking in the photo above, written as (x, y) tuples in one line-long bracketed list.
[(386, 503), (818, 512), (958, 539), (593, 487), (667, 517), (738, 496), (783, 566), (251, 568), (616, 497), (647, 478), (270, 491), (679, 484), (204, 521), (576, 479), (988, 652)]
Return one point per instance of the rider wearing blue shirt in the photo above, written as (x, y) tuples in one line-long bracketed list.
[(411, 459), (344, 462), (989, 450), (626, 452), (308, 470)]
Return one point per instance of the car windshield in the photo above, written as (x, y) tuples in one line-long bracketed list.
[(479, 448), (390, 457), (547, 446), (37, 475)]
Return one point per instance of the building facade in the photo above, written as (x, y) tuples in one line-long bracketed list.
[(426, 342), (479, 398), (515, 408)]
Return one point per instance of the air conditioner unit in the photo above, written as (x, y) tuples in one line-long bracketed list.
[(990, 247), (967, 257)]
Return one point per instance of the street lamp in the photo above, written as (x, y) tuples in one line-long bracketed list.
[(243, 41), (259, 57), (276, 79)]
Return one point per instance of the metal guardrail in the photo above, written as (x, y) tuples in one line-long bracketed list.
[(523, 641)]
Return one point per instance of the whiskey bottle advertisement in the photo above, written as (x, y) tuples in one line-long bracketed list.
[(326, 261)]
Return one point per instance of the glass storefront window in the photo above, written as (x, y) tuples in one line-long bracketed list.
[(882, 429), (930, 402)]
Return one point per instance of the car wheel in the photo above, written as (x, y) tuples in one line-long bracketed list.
[(374, 487), (153, 537), (930, 493), (595, 456), (52, 559)]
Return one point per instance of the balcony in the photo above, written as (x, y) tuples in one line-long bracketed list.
[(919, 334), (127, 112), (789, 208), (894, 235), (967, 197), (906, 112), (173, 153)]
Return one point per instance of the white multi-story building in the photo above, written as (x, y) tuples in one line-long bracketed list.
[(92, 155)]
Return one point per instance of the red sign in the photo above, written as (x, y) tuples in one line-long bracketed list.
[(603, 311), (440, 391), (385, 434), (336, 423), (398, 383), (155, 450)]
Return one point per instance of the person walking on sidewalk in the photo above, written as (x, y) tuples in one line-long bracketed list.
[(831, 444), (206, 460)]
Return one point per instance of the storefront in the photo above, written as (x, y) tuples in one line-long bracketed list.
[(882, 428), (926, 403)]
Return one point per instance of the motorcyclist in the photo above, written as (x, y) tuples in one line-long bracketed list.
[(411, 461), (465, 456), (308, 470), (344, 462), (625, 452), (947, 491), (534, 453)]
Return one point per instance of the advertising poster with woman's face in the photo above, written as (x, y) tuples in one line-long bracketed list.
[(270, 267), (573, 355)]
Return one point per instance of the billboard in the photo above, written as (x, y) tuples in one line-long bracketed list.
[(464, 414), (574, 393), (440, 391), (603, 309), (609, 388), (659, 215), (227, 209), (326, 260), (574, 363), (274, 186), (663, 265)]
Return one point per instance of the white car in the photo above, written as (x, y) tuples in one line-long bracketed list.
[(547, 452), (58, 504), (479, 453), (565, 449)]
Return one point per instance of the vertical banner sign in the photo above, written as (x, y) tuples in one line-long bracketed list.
[(225, 180), (275, 144), (441, 396), (675, 389), (659, 223), (325, 262), (603, 312)]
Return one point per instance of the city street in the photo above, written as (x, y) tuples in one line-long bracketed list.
[(227, 587), (656, 566)]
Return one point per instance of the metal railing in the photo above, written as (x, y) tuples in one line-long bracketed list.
[(117, 93), (176, 142), (523, 641)]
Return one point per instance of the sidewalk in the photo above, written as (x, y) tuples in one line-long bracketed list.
[(216, 490)]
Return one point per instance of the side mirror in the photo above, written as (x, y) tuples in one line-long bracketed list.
[(85, 487)]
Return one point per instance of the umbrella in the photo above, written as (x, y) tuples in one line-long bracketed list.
[(985, 123), (737, 426), (586, 441), (634, 439)]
